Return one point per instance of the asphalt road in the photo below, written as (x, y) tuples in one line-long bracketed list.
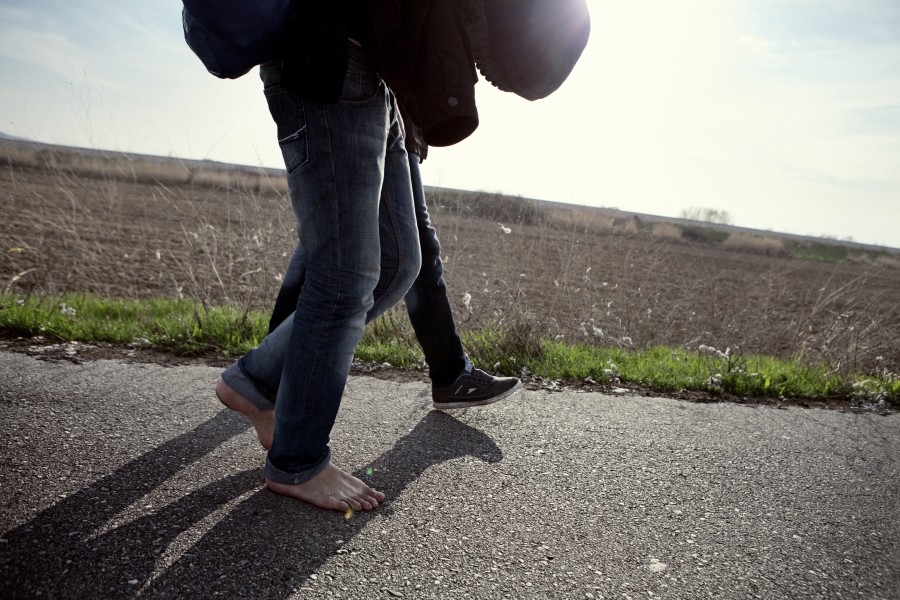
[(122, 480)]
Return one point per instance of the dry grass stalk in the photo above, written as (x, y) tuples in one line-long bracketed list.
[(570, 273)]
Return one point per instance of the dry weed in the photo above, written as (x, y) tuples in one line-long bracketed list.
[(114, 234), (551, 271), (739, 240), (668, 231)]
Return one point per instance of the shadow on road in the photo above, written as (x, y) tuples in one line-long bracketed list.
[(263, 548)]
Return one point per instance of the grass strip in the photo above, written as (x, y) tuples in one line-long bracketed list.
[(670, 370), (186, 327), (180, 326)]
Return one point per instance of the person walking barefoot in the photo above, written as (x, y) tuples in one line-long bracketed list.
[(331, 94)]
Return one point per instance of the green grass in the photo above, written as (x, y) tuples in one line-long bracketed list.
[(671, 370), (183, 327), (186, 327), (820, 251)]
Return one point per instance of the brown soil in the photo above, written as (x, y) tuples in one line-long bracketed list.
[(566, 272)]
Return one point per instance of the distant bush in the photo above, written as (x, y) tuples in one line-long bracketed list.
[(818, 251), (710, 215), (668, 231), (119, 166), (642, 225), (511, 210), (755, 243), (704, 235), (886, 260)]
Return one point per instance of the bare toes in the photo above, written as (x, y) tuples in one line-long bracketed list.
[(332, 489), (370, 500)]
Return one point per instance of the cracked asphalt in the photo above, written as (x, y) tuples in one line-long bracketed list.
[(129, 480)]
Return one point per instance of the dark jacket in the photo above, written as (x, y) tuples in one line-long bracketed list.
[(427, 51)]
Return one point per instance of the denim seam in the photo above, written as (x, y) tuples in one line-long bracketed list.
[(393, 219), (400, 263), (315, 358)]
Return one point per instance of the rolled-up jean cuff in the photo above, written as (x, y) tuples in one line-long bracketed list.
[(235, 377), (283, 477)]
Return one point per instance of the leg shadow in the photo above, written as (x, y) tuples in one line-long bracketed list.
[(54, 555), (270, 544)]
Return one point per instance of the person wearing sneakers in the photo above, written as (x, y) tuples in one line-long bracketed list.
[(455, 381), (333, 91)]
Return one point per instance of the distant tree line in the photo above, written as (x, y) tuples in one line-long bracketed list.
[(707, 215)]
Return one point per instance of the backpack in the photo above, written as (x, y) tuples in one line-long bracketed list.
[(230, 37)]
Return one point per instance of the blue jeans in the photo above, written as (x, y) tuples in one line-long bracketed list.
[(350, 188), (426, 302)]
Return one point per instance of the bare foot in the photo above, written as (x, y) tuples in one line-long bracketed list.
[(332, 489), (262, 420)]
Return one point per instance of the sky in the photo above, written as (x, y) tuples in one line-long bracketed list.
[(783, 113)]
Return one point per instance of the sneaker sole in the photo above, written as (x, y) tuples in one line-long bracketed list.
[(485, 402)]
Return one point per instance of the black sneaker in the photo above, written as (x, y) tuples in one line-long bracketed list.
[(475, 388)]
